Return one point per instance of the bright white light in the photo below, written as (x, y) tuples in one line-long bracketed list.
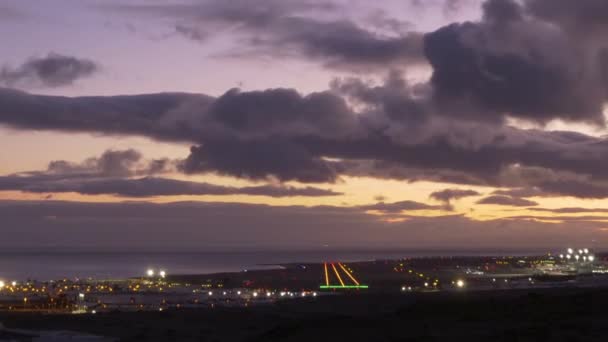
[(584, 258), (568, 256), (224, 293), (93, 312), (14, 283), (303, 294), (586, 251), (282, 294), (1, 284), (570, 251), (403, 288), (460, 283), (210, 293), (268, 294), (81, 295), (314, 294), (162, 274), (150, 273), (238, 293), (426, 284), (580, 251), (576, 257), (255, 294), (591, 258), (561, 256)]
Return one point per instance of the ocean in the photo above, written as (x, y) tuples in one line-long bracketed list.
[(47, 265)]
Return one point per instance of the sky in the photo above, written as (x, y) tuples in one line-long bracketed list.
[(200, 124)]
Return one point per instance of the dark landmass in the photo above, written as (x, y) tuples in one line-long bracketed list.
[(513, 315)]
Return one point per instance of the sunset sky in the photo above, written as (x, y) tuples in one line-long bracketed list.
[(303, 123)]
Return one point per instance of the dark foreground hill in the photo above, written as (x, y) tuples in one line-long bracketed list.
[(547, 315)]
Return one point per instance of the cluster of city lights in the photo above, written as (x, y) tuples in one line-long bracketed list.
[(151, 273), (578, 255)]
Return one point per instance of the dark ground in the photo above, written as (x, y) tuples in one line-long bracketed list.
[(517, 315)]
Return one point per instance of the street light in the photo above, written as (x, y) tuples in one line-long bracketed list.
[(460, 283), (150, 272), (162, 274)]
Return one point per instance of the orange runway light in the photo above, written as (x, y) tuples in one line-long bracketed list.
[(337, 274)]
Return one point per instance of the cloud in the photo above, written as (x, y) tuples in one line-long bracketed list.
[(570, 210), (514, 64), (54, 70), (585, 18), (148, 187), (358, 129), (507, 201), (119, 173), (297, 29), (448, 195), (217, 226), (397, 207)]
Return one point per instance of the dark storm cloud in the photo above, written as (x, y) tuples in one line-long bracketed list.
[(583, 17), (158, 116), (511, 64), (53, 70), (507, 201), (448, 195), (298, 29), (279, 133)]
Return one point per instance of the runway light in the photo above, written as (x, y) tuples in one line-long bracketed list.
[(460, 283), (162, 274), (150, 273)]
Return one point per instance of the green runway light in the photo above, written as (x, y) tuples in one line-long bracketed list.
[(324, 287)]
